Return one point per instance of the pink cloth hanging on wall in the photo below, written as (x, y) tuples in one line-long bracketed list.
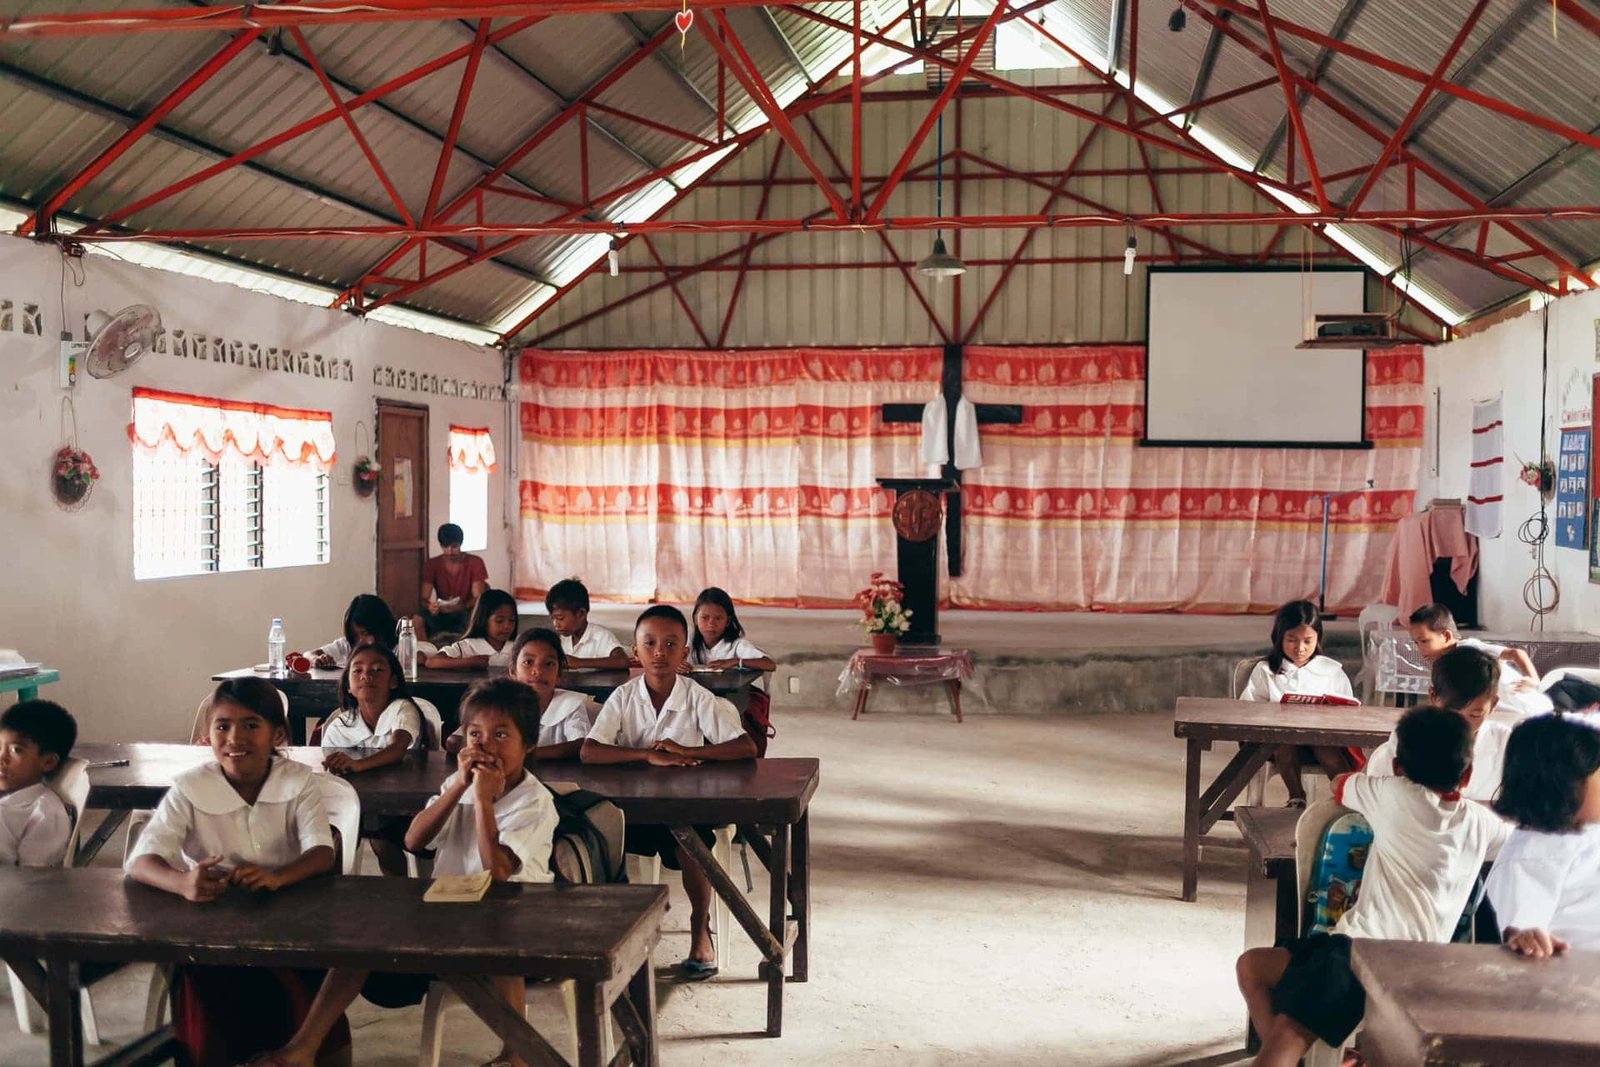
[(1419, 540)]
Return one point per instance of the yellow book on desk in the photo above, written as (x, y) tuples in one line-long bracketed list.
[(458, 888)]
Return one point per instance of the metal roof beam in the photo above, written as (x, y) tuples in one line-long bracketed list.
[(1473, 65), (1202, 75), (1114, 27), (1319, 66), (783, 42), (665, 62)]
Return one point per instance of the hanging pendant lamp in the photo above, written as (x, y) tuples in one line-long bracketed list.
[(940, 263)]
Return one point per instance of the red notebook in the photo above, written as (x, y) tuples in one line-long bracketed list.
[(1320, 698)]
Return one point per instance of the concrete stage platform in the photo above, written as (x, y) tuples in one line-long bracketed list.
[(1031, 663)]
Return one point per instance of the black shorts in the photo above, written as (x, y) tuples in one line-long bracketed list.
[(1318, 989), (658, 841)]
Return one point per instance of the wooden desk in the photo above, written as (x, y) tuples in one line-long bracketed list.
[(907, 665), (313, 694), (1258, 726), (768, 799), (26, 686), (600, 937), (1480, 1004)]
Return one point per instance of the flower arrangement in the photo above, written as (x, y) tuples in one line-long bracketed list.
[(1540, 475), (74, 473), (881, 608), (366, 473)]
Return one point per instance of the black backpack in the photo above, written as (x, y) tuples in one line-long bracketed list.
[(587, 847)]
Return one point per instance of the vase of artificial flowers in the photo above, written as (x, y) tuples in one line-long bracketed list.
[(365, 474), (73, 475), (883, 613)]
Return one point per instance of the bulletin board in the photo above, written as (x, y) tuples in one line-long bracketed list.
[(1592, 491)]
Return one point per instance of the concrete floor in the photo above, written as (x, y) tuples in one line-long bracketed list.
[(1003, 891)]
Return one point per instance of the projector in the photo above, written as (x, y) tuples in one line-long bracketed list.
[(1359, 326)]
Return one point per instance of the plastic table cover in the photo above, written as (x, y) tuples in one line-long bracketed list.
[(906, 665)]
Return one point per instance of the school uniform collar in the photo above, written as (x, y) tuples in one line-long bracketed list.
[(25, 797), (208, 789)]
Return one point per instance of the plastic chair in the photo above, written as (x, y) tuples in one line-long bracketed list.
[(433, 724), (343, 805), (1370, 625), (1256, 792), (1307, 841), (608, 820), (70, 782)]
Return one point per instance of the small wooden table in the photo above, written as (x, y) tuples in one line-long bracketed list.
[(600, 937), (1480, 1004), (1258, 726), (26, 686), (313, 694), (907, 665), (768, 799)]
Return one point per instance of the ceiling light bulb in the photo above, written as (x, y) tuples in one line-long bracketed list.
[(1129, 254), (613, 259)]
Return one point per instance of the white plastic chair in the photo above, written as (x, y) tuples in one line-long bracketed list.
[(70, 782), (1583, 674), (1256, 792), (433, 721), (1373, 621), (343, 805), (608, 820), (1307, 841), (156, 997)]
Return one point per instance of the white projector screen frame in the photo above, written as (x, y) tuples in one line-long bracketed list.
[(1222, 369)]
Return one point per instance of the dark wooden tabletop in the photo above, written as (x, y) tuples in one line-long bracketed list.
[(597, 683), (1269, 834), (765, 791), (1211, 719), (1443, 1004), (596, 933)]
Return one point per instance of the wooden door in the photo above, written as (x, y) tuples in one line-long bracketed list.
[(403, 543)]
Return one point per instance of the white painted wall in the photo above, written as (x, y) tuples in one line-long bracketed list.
[(135, 657), (1506, 359)]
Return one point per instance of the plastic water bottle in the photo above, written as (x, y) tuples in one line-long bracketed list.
[(406, 649), (275, 647)]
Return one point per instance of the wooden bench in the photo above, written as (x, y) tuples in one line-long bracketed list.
[(600, 937), (1477, 1004), (1258, 727), (767, 799)]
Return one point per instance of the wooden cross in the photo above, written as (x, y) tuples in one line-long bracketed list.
[(988, 415)]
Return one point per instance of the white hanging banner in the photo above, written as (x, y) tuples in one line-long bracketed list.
[(1486, 483)]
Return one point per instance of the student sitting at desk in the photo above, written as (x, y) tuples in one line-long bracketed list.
[(586, 644), (666, 720), (501, 719), (1296, 665), (1433, 631), (1467, 682), (367, 621), (488, 639), (565, 717), (1427, 849), (1545, 887), (35, 736), (452, 582), (248, 820)]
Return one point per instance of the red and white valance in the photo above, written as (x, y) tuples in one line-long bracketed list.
[(262, 433), (471, 449)]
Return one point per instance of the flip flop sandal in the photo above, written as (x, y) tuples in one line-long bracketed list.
[(694, 970)]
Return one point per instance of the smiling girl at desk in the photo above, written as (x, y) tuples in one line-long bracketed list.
[(487, 644), (248, 820)]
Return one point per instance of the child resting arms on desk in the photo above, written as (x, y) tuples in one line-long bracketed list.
[(667, 720), (35, 737), (488, 640), (248, 820), (501, 720), (566, 717)]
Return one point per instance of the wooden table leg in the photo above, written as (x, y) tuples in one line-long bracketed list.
[(773, 970), (1191, 819), (861, 700), (636, 1014), (64, 1008), (591, 1021), (510, 1026), (800, 894), (954, 686)]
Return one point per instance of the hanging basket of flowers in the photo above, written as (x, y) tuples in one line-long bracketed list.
[(73, 475), (365, 475), (1540, 475)]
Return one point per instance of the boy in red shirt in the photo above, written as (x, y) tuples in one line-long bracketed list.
[(451, 584)]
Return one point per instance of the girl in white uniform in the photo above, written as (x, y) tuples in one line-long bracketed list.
[(1296, 665), (250, 820), (565, 717), (367, 621), (719, 639), (1545, 886), (488, 640), (501, 720)]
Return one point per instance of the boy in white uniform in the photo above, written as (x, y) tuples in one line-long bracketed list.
[(667, 720), (35, 736), (584, 644), (1467, 682), (501, 721), (1427, 850), (1433, 630)]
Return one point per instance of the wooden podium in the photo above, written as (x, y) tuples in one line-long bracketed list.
[(916, 530)]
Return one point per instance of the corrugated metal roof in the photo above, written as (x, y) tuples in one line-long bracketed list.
[(525, 80)]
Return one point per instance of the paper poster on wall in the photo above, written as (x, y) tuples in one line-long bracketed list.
[(402, 489), (1572, 488)]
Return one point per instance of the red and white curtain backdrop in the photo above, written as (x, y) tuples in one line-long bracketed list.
[(470, 449), (653, 474), (1067, 511)]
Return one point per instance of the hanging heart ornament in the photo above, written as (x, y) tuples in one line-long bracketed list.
[(683, 20)]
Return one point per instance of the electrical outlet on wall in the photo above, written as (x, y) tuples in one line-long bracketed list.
[(794, 683)]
